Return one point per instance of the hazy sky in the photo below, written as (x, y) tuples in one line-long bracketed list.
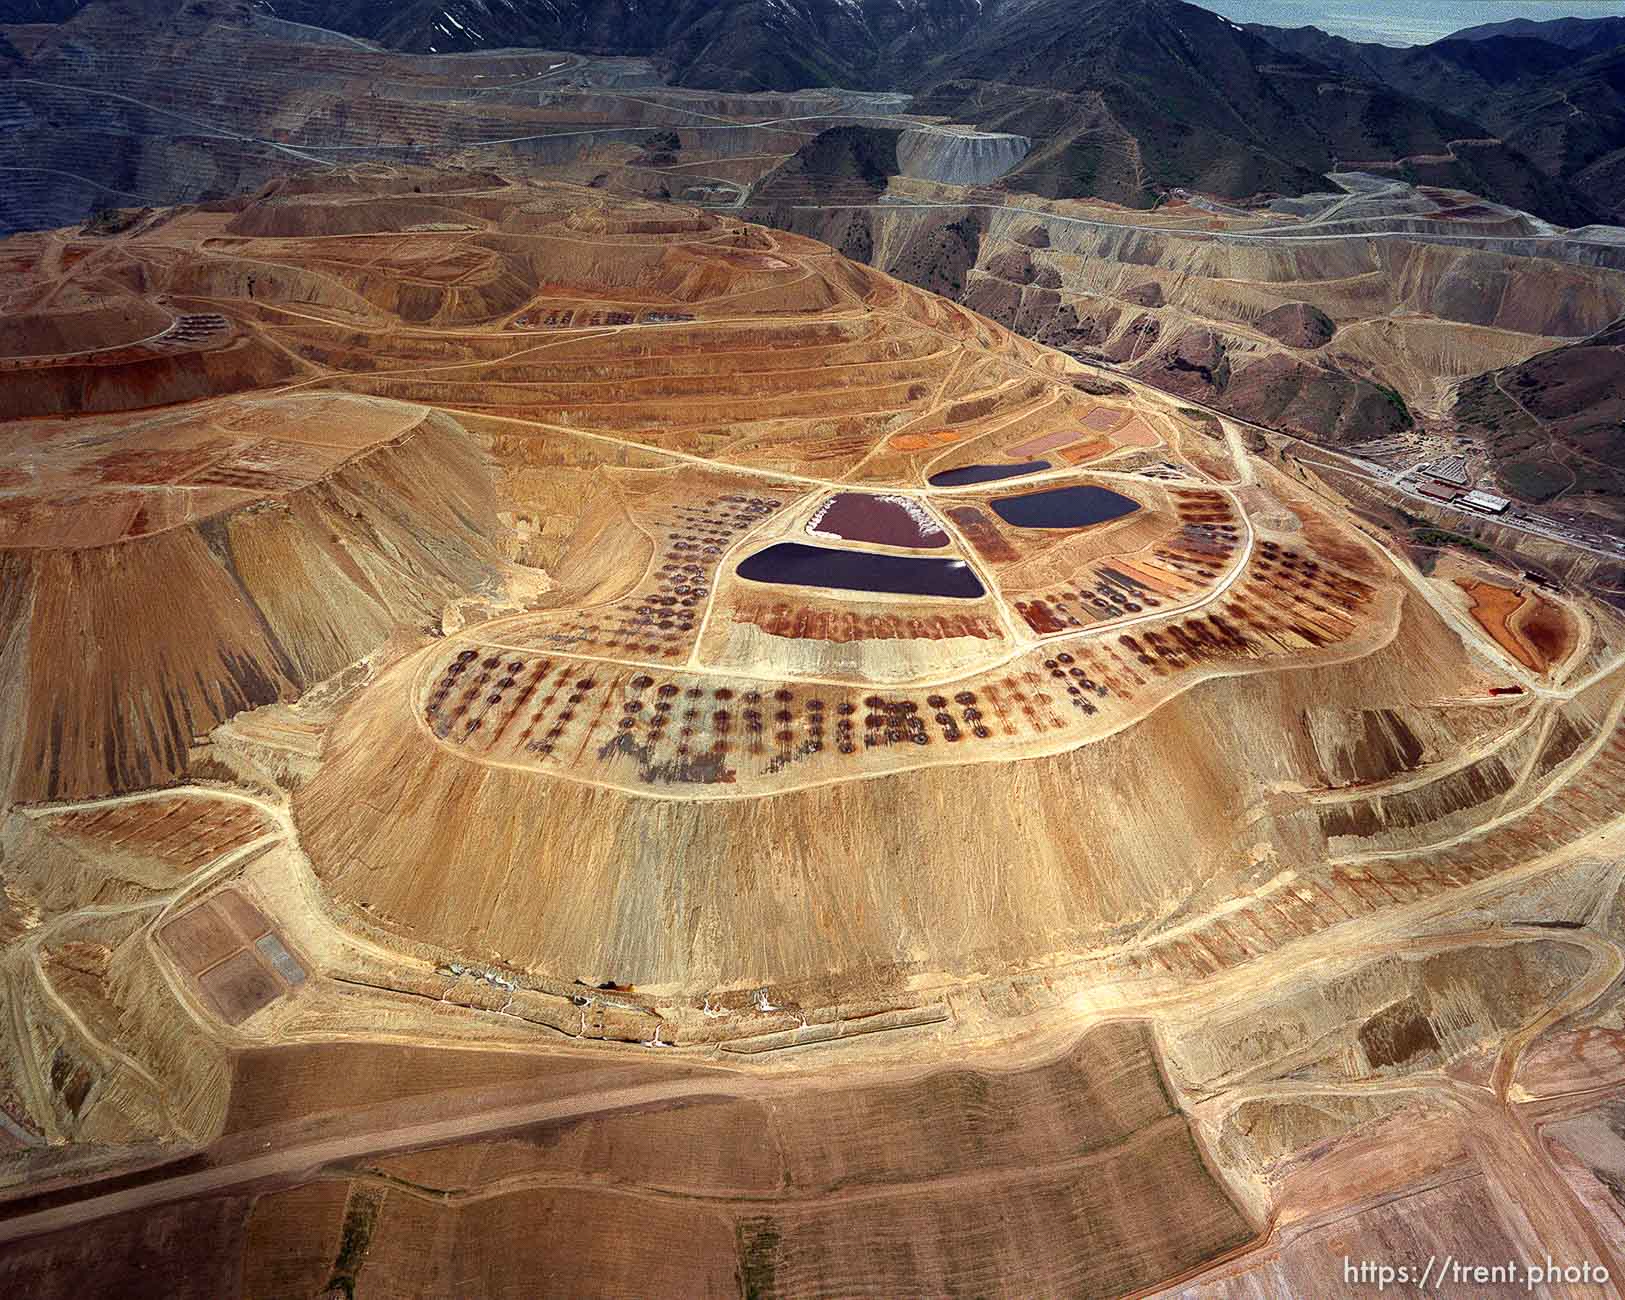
[(1403, 22)]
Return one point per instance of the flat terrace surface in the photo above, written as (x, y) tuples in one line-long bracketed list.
[(674, 405), (143, 475), (433, 1184)]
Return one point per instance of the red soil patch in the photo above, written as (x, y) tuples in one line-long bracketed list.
[(183, 832), (150, 466), (983, 534), (1103, 419), (1548, 629), (221, 456), (1087, 451), (293, 1238), (187, 1251), (1044, 442), (1493, 610), (109, 325), (1580, 1059), (1040, 617), (843, 626), (200, 938), (275, 1084), (245, 918), (1137, 433), (240, 986), (924, 441)]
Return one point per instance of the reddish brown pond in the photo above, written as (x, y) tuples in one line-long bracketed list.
[(884, 520)]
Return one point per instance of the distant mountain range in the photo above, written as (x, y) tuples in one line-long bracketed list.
[(1592, 35), (1554, 91), (1129, 97), (741, 45), (1124, 99)]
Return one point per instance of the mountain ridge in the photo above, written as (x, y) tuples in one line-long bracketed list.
[(1123, 99), (1554, 94)]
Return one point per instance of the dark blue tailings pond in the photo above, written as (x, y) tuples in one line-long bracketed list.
[(900, 575), (984, 473), (1067, 507)]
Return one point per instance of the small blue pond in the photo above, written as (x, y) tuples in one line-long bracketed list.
[(1065, 507), (984, 473)]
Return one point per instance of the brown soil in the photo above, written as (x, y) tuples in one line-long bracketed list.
[(293, 1239), (1547, 627), (555, 775), (547, 1242), (65, 333), (189, 1251), (1298, 325), (777, 1191), (1494, 609), (272, 1085)]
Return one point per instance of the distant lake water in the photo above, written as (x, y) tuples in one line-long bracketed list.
[(1403, 22)]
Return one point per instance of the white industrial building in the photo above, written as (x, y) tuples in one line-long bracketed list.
[(1484, 502)]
